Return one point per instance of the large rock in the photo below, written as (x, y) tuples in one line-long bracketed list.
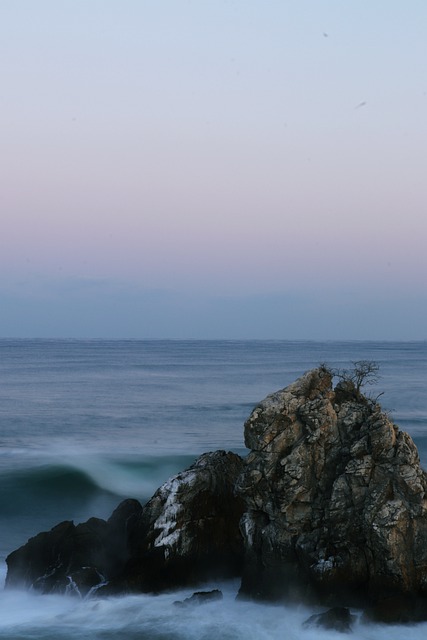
[(335, 498), (189, 531)]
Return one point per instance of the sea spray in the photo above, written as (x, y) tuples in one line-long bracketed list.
[(149, 617)]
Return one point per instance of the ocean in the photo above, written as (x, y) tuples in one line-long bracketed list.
[(86, 423)]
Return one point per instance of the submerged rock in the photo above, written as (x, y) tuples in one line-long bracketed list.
[(337, 618), (335, 498), (200, 597)]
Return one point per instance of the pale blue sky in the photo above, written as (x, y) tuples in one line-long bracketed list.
[(213, 169)]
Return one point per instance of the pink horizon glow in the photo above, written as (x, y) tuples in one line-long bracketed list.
[(228, 150)]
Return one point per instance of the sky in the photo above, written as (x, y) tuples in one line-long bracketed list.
[(213, 169)]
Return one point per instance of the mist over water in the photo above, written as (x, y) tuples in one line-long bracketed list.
[(84, 424), (147, 617)]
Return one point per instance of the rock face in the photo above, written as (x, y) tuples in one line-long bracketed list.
[(189, 530), (186, 533), (335, 498)]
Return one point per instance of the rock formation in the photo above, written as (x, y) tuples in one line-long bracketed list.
[(331, 502), (73, 558), (189, 530), (335, 498), (186, 533)]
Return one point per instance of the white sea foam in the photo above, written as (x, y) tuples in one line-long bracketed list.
[(27, 615)]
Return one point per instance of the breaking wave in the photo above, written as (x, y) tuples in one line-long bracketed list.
[(82, 477)]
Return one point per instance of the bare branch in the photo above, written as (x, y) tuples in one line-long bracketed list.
[(364, 372)]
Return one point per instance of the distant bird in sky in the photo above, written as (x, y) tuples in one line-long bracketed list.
[(361, 104)]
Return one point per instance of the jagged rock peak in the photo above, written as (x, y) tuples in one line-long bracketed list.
[(335, 497), (268, 425)]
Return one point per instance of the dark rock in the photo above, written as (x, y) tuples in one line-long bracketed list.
[(335, 499), (337, 618), (189, 531), (401, 609), (120, 524), (51, 561), (200, 597), (39, 559), (73, 558)]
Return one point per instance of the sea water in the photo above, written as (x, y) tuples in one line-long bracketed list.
[(84, 424)]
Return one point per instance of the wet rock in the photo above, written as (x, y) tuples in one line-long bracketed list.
[(120, 525), (400, 609), (71, 558), (337, 618), (200, 597), (189, 531)]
